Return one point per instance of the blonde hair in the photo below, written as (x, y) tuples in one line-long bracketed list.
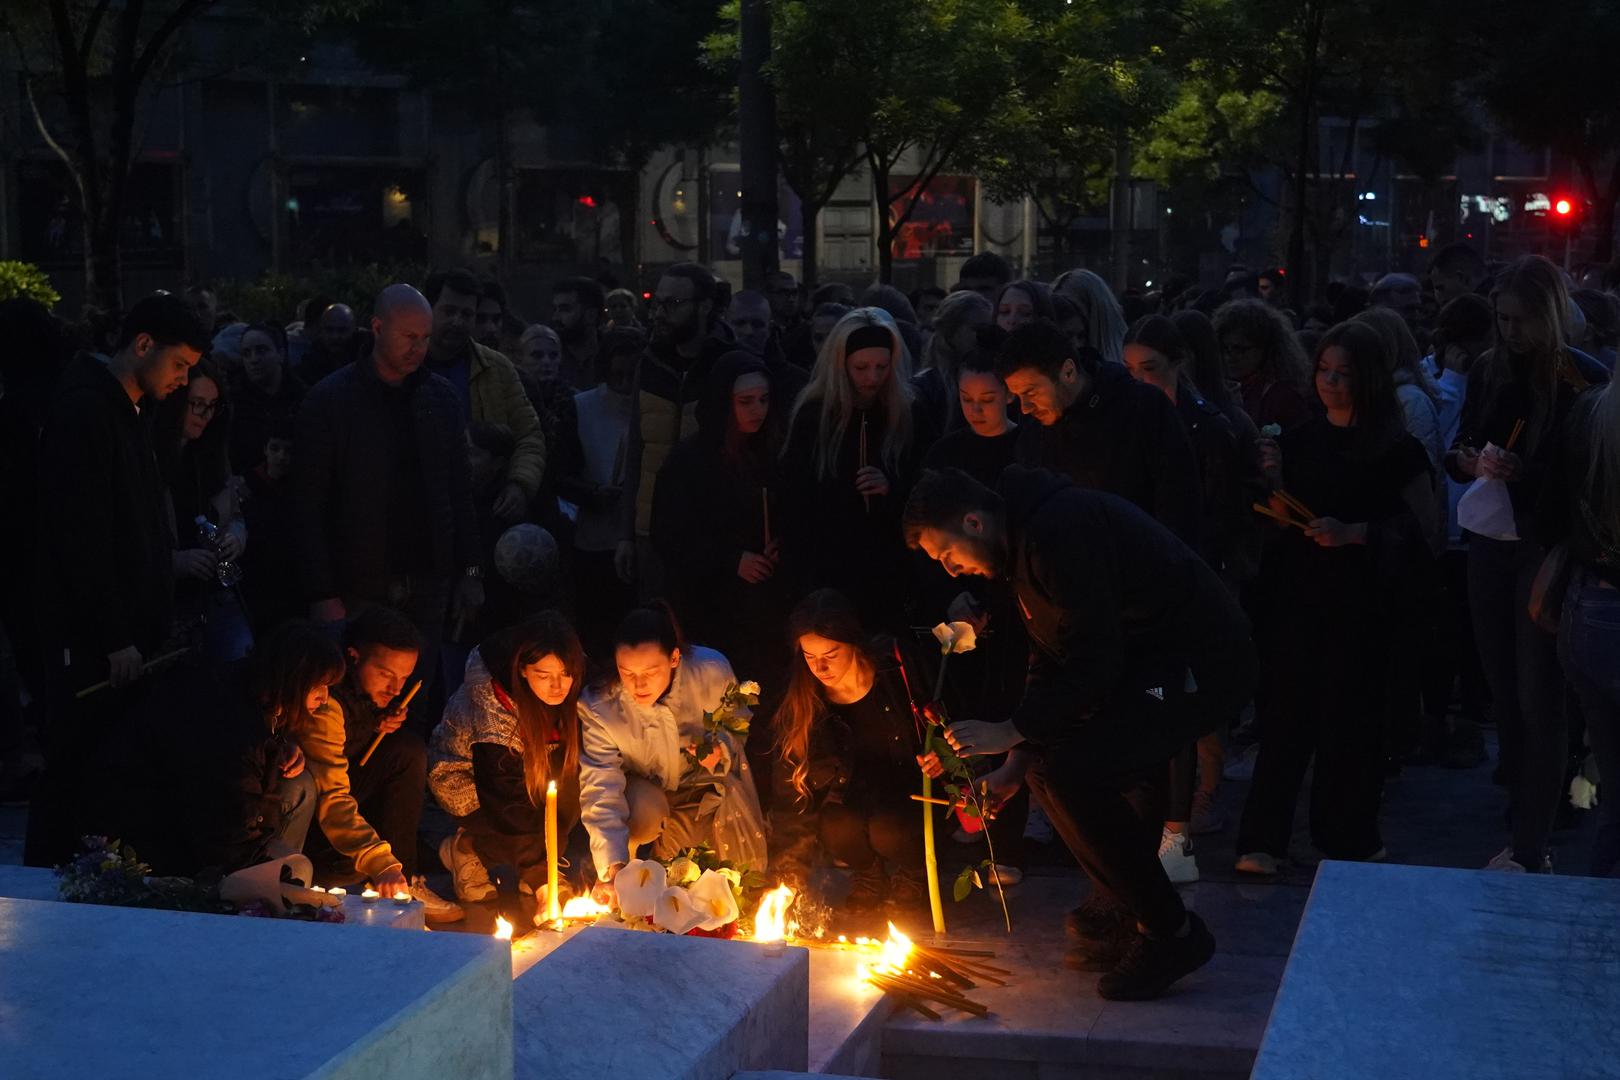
[(829, 388), (1105, 320), (1539, 286)]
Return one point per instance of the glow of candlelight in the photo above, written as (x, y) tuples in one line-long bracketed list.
[(553, 912), (503, 929), (370, 895), (402, 897), (583, 907), (770, 922), (338, 891)]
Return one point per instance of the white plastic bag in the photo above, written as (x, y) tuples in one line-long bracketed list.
[(1486, 508)]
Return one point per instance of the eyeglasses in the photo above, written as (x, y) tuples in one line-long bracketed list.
[(669, 303), (202, 407)]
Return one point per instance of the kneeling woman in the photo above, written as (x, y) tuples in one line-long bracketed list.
[(511, 729), (848, 746), (640, 780)]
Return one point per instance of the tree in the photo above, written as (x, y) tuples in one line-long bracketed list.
[(1087, 75), (1549, 86), (90, 69)]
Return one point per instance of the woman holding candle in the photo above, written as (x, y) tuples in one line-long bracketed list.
[(1332, 584), (1529, 381), (854, 442), (640, 780), (848, 750), (507, 734)]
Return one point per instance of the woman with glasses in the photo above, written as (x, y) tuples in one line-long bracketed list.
[(1267, 361), (855, 439), (191, 433)]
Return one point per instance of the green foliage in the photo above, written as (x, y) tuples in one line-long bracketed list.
[(972, 877), (20, 279), (274, 297)]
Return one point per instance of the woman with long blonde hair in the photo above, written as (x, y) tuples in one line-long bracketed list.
[(510, 731), (1519, 398), (1105, 319), (854, 443)]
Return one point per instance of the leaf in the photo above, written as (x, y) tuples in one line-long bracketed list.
[(963, 884)]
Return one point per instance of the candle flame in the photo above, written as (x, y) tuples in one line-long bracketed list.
[(583, 907), (503, 929), (551, 787), (770, 923), (893, 955), (401, 895)]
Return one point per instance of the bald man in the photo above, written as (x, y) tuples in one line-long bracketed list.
[(333, 341), (385, 513)]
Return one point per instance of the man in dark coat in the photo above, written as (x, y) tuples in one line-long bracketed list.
[(1100, 427), (1136, 649), (384, 506), (105, 545)]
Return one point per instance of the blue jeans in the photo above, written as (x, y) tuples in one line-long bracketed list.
[(1521, 666), (1589, 646)]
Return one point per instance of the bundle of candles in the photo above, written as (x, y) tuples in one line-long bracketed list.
[(917, 974), (1291, 507)]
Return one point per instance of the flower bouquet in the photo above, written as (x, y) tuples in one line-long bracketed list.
[(696, 893), (712, 754)]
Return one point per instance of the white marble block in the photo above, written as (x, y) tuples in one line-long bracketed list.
[(1402, 971), (642, 1006), (116, 993)]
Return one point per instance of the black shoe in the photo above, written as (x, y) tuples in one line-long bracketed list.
[(1152, 965), (868, 889), (907, 893), (1097, 918)]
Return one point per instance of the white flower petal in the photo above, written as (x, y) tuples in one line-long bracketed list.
[(675, 912), (963, 637), (715, 901), (945, 635), (750, 687), (683, 871), (639, 885)]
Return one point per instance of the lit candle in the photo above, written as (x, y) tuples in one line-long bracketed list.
[(553, 911), (337, 891), (317, 888), (370, 895), (402, 898)]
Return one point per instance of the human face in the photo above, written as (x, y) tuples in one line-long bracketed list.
[(317, 696), (337, 327), (927, 304), (1334, 375), (1017, 307), (1403, 301), (646, 670), (621, 373), (1243, 356), (784, 297), (277, 457), (487, 323), (482, 466), (1038, 396), (402, 342), (1152, 367), (542, 353), (828, 660), (549, 678), (964, 552), (621, 309), (868, 371), (821, 328), (984, 286), (202, 403), (1515, 325), (676, 319), (1267, 288), (983, 398), (1447, 287), (750, 402), (261, 360), (380, 672), (160, 370), (751, 320), (567, 313), (454, 316)]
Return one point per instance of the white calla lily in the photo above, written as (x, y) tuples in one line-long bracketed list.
[(750, 688), (956, 637), (639, 884), (713, 898), (675, 911)]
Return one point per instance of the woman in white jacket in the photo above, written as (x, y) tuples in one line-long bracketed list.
[(636, 785)]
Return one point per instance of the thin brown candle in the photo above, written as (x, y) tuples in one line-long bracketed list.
[(404, 702)]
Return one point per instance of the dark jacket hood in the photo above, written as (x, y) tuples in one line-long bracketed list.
[(88, 374), (714, 406), (1024, 489)]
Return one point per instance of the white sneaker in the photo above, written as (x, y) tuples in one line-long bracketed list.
[(1179, 864), (1038, 828), (435, 908), (1008, 876), (1260, 863), (466, 869)]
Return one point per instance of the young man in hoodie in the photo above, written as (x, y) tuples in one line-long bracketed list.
[(1136, 649)]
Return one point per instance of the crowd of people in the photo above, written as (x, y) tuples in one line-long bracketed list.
[(273, 587)]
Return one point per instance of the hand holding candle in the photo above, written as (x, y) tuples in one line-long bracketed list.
[(399, 707)]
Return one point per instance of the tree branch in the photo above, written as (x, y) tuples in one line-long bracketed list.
[(155, 44), (91, 29)]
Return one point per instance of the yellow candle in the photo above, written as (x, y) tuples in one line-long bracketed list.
[(553, 911)]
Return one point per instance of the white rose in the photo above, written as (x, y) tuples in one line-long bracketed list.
[(750, 688), (683, 871)]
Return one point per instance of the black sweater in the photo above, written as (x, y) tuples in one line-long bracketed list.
[(355, 437), (105, 538), (1123, 437)]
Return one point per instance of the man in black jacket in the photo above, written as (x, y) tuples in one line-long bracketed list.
[(385, 513), (1136, 649), (105, 544), (1100, 427)]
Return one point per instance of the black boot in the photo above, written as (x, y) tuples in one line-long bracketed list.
[(1151, 965), (868, 888)]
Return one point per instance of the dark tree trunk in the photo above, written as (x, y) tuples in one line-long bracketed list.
[(811, 215), (884, 225), (756, 130)]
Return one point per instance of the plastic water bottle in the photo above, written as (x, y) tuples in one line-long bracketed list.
[(226, 570)]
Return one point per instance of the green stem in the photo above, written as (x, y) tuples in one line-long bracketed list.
[(930, 861)]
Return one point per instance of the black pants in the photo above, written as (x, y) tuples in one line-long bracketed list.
[(390, 789), (1111, 825), (1327, 679), (860, 836), (1450, 656)]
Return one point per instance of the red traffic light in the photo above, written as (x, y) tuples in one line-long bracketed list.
[(1563, 207)]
